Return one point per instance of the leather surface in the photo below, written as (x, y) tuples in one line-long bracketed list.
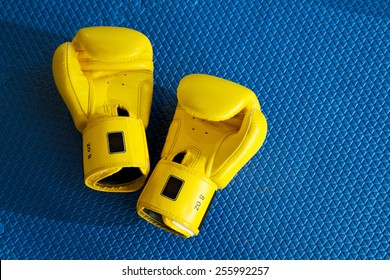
[(105, 77)]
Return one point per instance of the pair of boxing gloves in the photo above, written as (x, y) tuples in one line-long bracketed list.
[(105, 77)]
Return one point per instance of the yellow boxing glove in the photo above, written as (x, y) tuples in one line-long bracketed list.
[(105, 77), (216, 129)]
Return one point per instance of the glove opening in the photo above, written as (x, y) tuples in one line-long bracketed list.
[(179, 157), (157, 219), (125, 175), (173, 226), (122, 112)]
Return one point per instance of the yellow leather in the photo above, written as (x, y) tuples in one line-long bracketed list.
[(100, 164), (200, 190), (227, 100), (217, 128), (102, 73)]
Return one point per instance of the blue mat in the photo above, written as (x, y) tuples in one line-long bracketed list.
[(318, 188)]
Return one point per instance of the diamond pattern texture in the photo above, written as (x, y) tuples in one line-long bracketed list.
[(318, 188)]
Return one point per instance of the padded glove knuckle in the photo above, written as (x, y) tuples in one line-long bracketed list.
[(105, 77), (216, 129)]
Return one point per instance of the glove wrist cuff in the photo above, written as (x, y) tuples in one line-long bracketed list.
[(115, 154), (176, 198)]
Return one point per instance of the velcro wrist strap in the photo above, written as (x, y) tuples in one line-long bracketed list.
[(115, 154), (176, 198)]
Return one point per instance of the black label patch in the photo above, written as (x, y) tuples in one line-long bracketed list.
[(116, 142), (172, 187)]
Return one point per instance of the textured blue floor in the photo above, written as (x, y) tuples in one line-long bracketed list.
[(318, 188)]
